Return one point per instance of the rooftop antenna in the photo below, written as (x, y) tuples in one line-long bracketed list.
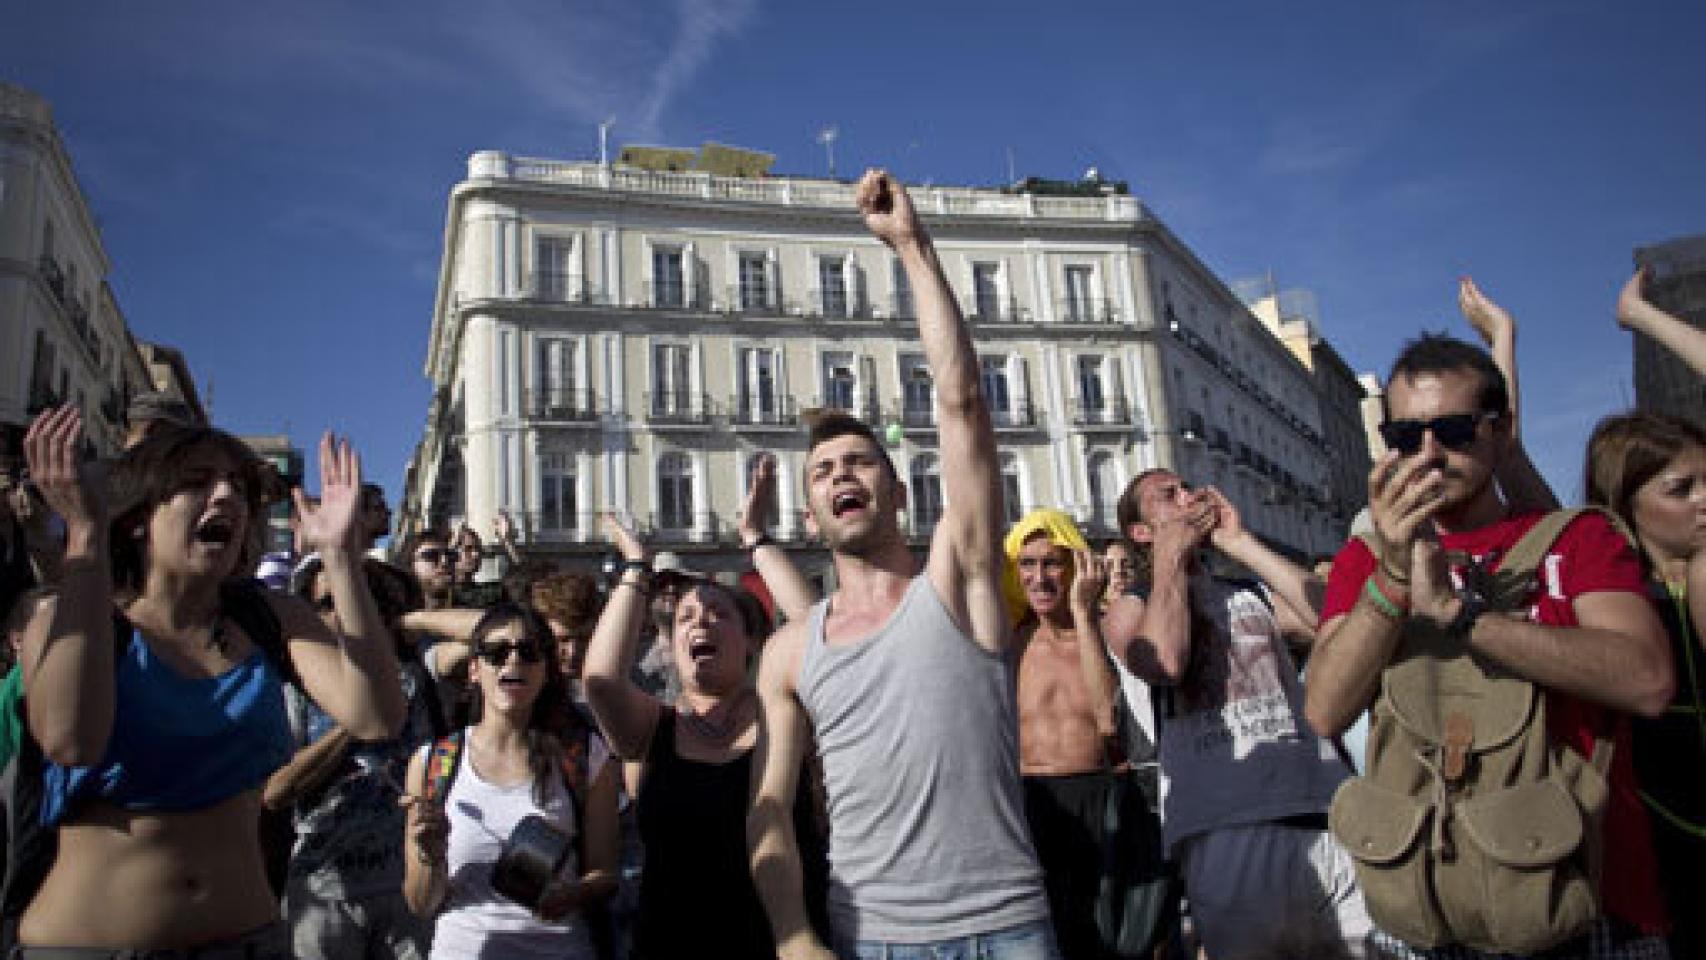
[(604, 141), (827, 136)]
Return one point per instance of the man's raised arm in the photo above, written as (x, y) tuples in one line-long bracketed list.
[(965, 553)]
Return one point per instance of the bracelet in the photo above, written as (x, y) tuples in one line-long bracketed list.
[(762, 540), (1380, 601), (1397, 592), (644, 566)]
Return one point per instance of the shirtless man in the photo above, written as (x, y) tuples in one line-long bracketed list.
[(1067, 726), (903, 676)]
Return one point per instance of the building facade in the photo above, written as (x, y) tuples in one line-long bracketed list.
[(614, 338), (287, 461), (1663, 383), (63, 338)]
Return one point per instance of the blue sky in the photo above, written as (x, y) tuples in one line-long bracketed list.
[(272, 178)]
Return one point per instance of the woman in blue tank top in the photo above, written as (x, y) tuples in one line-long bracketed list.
[(153, 686)]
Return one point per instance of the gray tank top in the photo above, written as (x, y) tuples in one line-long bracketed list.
[(917, 730)]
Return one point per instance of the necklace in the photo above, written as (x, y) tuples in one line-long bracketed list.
[(714, 731)]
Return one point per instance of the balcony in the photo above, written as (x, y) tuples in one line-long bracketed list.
[(917, 415), (781, 412), (552, 286), (1013, 416), (678, 408), (753, 299), (549, 527), (902, 308), (835, 305), (683, 526), (994, 311), (572, 406), (1107, 412), (1082, 310), (52, 275)]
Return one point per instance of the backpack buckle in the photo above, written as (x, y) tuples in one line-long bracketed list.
[(1459, 738)]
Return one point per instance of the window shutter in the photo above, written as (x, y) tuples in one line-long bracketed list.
[(689, 275), (774, 287), (1018, 383)]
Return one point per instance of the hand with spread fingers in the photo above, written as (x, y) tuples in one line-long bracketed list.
[(72, 487), (1403, 495), (888, 209), (758, 512), (335, 522)]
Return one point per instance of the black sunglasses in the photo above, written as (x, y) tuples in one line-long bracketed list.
[(497, 654), (435, 555), (1454, 432)]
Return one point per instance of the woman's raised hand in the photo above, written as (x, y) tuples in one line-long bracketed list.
[(336, 522), (74, 488)]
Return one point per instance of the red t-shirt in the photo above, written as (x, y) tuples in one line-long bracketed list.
[(1588, 557)]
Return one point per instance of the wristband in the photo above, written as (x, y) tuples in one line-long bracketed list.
[(1473, 606), (762, 540), (643, 566), (1380, 601), (1397, 592)]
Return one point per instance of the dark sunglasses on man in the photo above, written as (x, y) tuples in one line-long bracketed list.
[(436, 555), (1455, 431), (497, 653)]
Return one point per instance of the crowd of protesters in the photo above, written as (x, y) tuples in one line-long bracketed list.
[(1015, 745)]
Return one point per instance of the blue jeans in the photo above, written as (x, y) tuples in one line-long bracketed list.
[(1027, 941)]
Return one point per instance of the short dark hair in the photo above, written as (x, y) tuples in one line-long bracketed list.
[(1442, 353), (424, 535), (149, 473), (824, 425), (1129, 509)]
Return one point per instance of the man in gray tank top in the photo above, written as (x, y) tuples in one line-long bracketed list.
[(902, 674)]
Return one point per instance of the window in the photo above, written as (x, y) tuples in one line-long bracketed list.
[(41, 371), (1080, 307), (47, 239), (1104, 482), (832, 286), (668, 289), (1011, 498), (755, 293), (554, 376), (558, 509), (675, 492), (1091, 395), (996, 395), (926, 494), (759, 402), (839, 381), (671, 386), (918, 390), (986, 290), (903, 306), (552, 257)]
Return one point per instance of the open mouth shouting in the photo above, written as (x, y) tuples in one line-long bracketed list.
[(702, 649), (216, 531), (849, 503)]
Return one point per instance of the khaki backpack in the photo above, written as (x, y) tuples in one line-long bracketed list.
[(1470, 826)]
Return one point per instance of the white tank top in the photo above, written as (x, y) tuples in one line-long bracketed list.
[(476, 921)]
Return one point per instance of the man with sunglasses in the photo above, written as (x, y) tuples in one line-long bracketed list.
[(1590, 641)]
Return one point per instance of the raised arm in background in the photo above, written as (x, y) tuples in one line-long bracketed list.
[(1518, 477), (793, 593), (1637, 314), (625, 713)]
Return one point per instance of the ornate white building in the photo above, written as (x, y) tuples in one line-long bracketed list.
[(609, 337)]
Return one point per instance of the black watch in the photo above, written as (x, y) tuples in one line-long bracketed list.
[(1473, 606)]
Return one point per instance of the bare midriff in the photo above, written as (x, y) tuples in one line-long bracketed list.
[(1057, 722), (155, 880)]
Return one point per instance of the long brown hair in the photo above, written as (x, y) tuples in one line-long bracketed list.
[(1627, 450), (544, 750), (149, 473)]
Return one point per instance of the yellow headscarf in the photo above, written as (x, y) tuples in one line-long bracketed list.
[(1061, 531)]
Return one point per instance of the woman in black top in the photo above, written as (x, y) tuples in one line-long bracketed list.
[(694, 761), (1650, 471)]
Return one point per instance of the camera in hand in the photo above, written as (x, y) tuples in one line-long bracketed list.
[(532, 856)]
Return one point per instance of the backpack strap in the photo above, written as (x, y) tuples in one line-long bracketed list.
[(245, 601), (1513, 580), (444, 761)]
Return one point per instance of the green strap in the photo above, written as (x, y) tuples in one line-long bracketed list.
[(1675, 820)]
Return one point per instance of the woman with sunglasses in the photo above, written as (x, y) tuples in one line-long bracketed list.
[(509, 765), (1650, 472), (154, 688), (690, 766)]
